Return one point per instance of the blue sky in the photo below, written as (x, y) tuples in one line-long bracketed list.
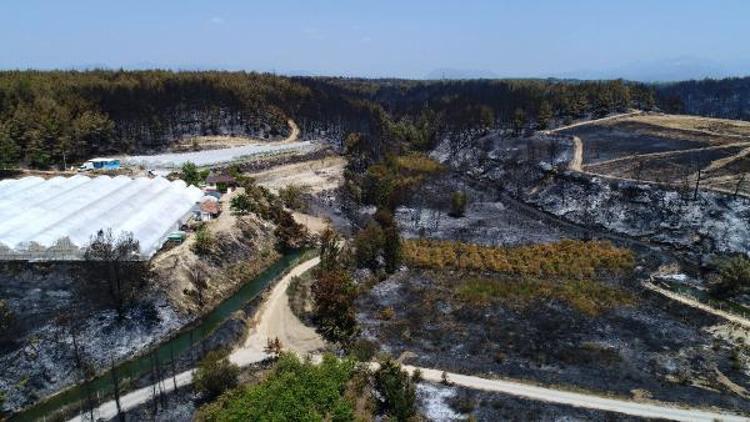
[(584, 38)]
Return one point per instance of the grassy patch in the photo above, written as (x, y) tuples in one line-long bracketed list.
[(568, 271), (567, 258), (585, 295)]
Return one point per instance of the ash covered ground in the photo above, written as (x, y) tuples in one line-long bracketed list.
[(534, 170), (446, 403), (656, 346), (489, 219), (41, 359)]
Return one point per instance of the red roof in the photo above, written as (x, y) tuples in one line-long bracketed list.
[(210, 207)]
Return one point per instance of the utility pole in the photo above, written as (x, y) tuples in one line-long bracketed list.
[(739, 182), (115, 383), (697, 183), (174, 367)]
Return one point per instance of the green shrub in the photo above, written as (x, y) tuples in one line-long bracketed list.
[(204, 242), (191, 175), (397, 391), (241, 204), (458, 204), (363, 350), (215, 374), (293, 196), (734, 277), (367, 246), (295, 391)]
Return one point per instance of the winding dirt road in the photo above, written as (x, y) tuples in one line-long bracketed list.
[(275, 319), (588, 122)]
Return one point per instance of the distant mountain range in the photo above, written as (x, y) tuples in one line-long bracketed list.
[(455, 73), (665, 70)]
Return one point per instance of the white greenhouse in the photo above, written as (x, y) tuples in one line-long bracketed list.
[(215, 156), (54, 219)]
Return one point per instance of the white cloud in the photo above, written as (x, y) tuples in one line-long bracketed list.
[(216, 20)]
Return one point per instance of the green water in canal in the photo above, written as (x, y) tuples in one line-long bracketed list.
[(103, 386)]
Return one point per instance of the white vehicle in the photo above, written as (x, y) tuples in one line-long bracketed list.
[(100, 164)]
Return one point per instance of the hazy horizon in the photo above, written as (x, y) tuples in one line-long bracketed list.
[(671, 40)]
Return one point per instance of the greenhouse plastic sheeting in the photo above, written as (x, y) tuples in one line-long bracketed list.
[(209, 157), (56, 218)]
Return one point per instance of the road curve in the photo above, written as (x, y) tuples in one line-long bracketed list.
[(588, 122), (275, 319)]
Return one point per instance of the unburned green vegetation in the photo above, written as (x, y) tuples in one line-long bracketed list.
[(258, 200), (295, 390), (733, 277), (388, 183), (336, 390)]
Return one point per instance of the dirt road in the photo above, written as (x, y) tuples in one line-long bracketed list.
[(589, 401), (273, 319), (276, 320), (576, 163), (589, 122), (326, 173), (689, 301)]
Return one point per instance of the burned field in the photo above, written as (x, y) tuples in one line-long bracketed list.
[(619, 140), (456, 402), (489, 218), (580, 323), (655, 133), (673, 167), (668, 149)]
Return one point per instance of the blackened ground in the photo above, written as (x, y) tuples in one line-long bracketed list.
[(487, 406), (603, 143), (657, 345), (488, 219)]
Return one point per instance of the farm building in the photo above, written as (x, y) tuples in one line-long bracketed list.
[(61, 214), (209, 210), (222, 182)]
